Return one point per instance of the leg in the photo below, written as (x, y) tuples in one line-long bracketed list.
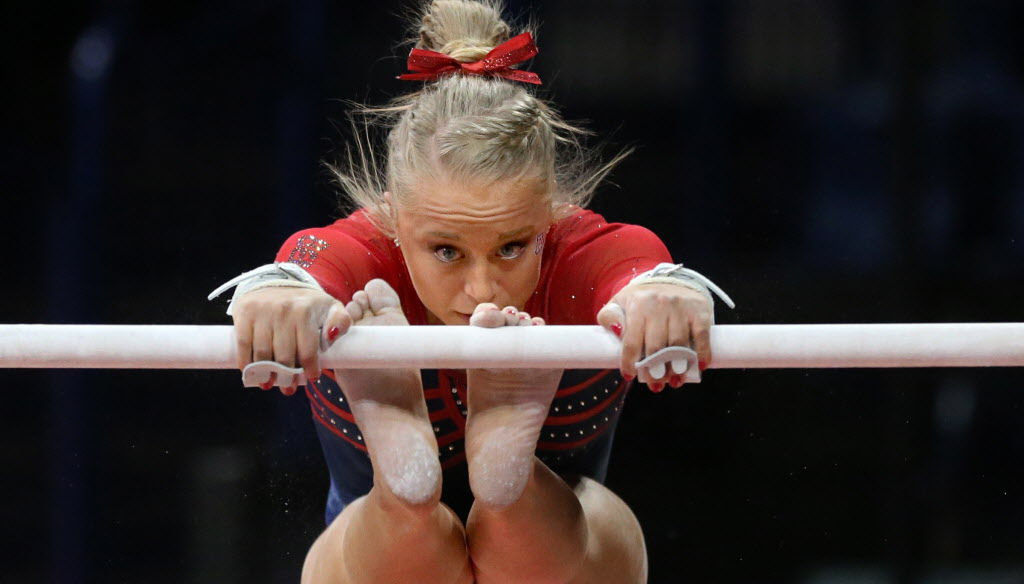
[(557, 533), (399, 532)]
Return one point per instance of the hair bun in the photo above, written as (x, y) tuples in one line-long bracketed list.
[(465, 30)]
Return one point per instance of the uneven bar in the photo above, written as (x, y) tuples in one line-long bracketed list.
[(733, 346)]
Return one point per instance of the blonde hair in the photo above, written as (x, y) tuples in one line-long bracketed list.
[(465, 127)]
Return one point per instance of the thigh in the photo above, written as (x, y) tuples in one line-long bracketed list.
[(436, 555), (616, 550)]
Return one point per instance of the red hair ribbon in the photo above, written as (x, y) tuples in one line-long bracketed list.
[(428, 65)]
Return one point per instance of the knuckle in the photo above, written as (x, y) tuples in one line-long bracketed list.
[(282, 309)]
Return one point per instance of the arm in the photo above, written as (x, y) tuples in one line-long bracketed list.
[(599, 272), (291, 325)]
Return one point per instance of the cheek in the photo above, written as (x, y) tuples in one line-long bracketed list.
[(525, 281)]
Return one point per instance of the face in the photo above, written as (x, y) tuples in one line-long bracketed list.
[(467, 243)]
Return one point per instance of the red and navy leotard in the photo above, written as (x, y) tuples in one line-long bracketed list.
[(585, 261)]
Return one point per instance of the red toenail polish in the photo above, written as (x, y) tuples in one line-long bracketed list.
[(333, 333), (657, 387), (702, 365), (266, 386), (676, 381), (617, 329), (628, 376)]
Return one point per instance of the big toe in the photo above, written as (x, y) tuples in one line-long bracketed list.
[(382, 295)]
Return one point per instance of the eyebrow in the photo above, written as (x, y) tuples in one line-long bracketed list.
[(455, 237)]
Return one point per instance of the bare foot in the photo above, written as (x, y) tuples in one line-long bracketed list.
[(507, 408), (389, 407)]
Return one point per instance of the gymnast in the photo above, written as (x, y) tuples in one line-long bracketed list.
[(475, 215)]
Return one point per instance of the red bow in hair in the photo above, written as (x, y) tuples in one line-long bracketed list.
[(431, 65)]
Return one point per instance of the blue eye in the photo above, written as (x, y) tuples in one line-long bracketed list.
[(514, 250), (446, 253)]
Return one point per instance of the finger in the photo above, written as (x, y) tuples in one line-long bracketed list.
[(284, 345), (524, 319), (308, 341), (612, 317), (243, 343), (632, 344), (262, 341), (655, 339), (271, 381), (537, 321), (678, 336), (336, 323), (700, 333)]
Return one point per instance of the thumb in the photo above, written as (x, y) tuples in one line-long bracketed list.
[(612, 317), (336, 323)]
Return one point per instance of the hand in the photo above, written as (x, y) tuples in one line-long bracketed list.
[(284, 325), (651, 317)]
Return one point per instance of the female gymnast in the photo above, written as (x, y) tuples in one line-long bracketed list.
[(475, 218)]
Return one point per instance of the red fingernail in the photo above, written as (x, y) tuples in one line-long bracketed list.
[(266, 386), (617, 329), (510, 310), (333, 333), (521, 316), (675, 381), (657, 387), (628, 377), (288, 391), (702, 365)]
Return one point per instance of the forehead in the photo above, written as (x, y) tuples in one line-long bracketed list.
[(476, 207)]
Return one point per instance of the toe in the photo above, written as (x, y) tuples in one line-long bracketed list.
[(487, 315), (381, 295)]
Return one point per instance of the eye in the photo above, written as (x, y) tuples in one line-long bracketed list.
[(446, 253), (512, 250)]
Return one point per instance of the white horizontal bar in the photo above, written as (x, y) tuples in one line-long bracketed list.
[(568, 347)]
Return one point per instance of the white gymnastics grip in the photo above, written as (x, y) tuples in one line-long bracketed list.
[(682, 359), (258, 373)]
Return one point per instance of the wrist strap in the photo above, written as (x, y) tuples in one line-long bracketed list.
[(666, 273), (281, 274)]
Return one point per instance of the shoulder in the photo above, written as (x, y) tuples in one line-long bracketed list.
[(582, 228), (358, 227), (355, 231)]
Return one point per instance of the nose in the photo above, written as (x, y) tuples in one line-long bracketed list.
[(480, 283)]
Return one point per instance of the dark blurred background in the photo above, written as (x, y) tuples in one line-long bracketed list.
[(822, 160)]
